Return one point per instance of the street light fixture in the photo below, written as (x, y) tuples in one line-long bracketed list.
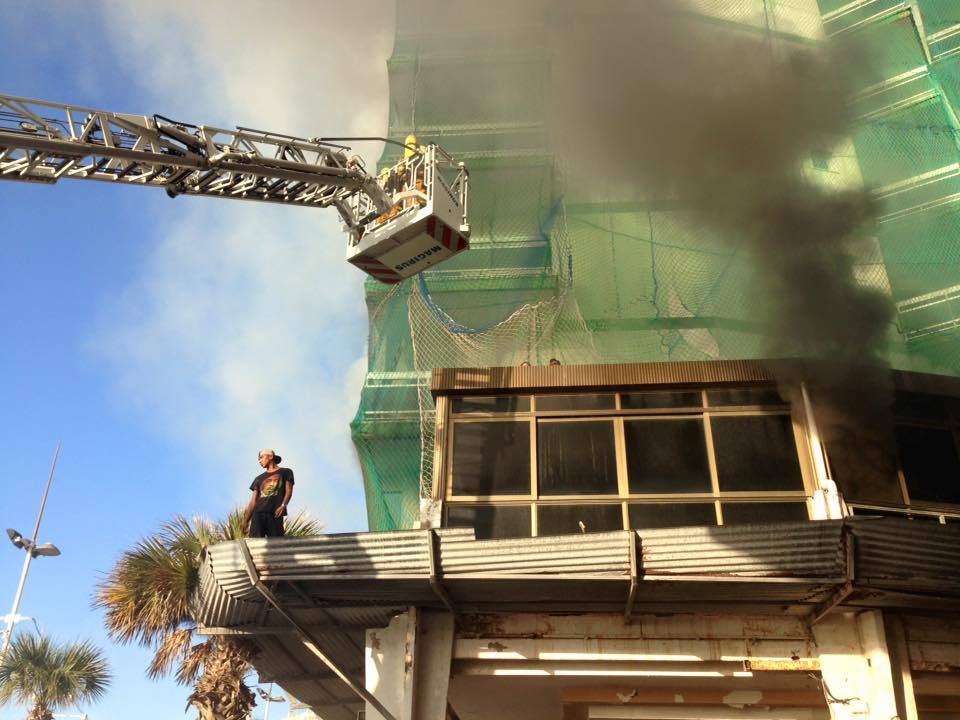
[(19, 541), (32, 550)]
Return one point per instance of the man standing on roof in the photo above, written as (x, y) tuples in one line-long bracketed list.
[(272, 490)]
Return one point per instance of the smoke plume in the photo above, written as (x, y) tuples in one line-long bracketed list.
[(719, 121)]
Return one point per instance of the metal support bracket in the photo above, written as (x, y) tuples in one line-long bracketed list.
[(634, 578), (847, 589), (305, 636), (436, 581)]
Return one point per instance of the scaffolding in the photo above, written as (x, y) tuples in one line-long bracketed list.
[(558, 271)]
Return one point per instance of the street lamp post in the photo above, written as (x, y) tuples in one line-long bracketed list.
[(268, 698), (32, 550)]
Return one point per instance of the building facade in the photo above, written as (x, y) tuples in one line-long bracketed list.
[(627, 541), (584, 272), (667, 524)]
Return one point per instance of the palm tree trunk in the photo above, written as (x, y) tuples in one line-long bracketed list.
[(221, 693), (39, 711)]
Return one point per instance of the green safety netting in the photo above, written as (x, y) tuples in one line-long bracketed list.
[(555, 272)]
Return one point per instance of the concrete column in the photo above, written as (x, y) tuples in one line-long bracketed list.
[(432, 666), (408, 665), (860, 680), (900, 660)]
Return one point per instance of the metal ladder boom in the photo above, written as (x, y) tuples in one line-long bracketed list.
[(44, 142)]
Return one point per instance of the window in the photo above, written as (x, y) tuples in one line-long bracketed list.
[(739, 513), (744, 396), (491, 521), (491, 404), (820, 159), (576, 458), (931, 469), (565, 464), (573, 519), (666, 515), (559, 403), (653, 400), (491, 458), (909, 464), (756, 452), (666, 456)]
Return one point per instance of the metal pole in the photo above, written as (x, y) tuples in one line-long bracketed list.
[(266, 712), (8, 633)]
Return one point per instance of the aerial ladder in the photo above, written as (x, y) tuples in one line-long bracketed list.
[(398, 222)]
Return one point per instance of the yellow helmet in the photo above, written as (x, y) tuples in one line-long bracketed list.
[(411, 142)]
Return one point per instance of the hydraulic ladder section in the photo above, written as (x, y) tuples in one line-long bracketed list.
[(44, 142)]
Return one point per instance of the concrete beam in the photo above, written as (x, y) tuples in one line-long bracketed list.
[(611, 625), (601, 649), (643, 695), (666, 712), (610, 669)]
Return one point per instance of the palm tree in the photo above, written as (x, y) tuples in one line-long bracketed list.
[(146, 599), (38, 672)]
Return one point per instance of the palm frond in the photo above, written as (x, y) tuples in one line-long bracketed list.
[(193, 663), (146, 596), (171, 651), (147, 593), (231, 527), (42, 673), (302, 525)]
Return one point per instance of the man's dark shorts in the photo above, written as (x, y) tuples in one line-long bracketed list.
[(266, 525)]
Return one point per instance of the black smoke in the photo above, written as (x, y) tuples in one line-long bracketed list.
[(653, 99)]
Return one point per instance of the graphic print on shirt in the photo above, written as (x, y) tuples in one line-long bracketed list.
[(270, 486)]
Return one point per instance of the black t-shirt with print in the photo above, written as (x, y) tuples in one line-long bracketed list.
[(272, 488)]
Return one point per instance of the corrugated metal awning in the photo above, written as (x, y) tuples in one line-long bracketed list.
[(335, 586)]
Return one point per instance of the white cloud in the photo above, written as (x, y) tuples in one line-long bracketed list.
[(245, 327)]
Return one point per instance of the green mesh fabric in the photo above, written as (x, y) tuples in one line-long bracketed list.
[(555, 273)]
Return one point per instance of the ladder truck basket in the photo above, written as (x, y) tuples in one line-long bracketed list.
[(425, 225)]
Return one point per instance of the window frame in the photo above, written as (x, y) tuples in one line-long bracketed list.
[(949, 422), (619, 415), (952, 426)]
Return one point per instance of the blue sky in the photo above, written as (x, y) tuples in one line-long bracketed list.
[(165, 341)]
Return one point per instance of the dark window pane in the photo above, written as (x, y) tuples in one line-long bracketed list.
[(575, 402), (737, 513), (864, 463), (756, 452), (566, 519), (745, 396), (651, 400), (491, 458), (491, 521), (666, 456), (919, 406), (576, 458), (499, 404), (665, 515), (928, 457)]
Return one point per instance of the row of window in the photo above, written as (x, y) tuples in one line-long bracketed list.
[(703, 454), (648, 400), (501, 521), (719, 456)]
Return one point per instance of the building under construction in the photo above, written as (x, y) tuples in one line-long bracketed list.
[(667, 521)]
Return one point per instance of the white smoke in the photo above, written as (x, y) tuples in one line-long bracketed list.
[(245, 327)]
